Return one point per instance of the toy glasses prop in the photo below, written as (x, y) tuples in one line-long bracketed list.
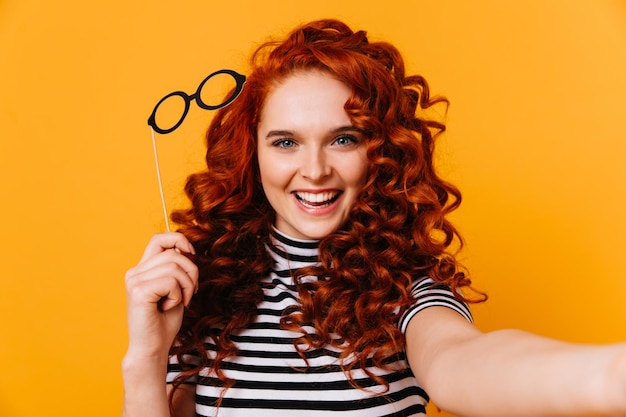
[(197, 96)]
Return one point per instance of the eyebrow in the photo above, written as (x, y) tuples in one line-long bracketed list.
[(281, 133)]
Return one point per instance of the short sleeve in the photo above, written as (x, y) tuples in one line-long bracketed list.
[(427, 293)]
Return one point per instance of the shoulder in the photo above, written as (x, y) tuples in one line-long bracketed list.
[(427, 293)]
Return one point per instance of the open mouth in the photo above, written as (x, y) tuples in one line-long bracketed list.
[(317, 200)]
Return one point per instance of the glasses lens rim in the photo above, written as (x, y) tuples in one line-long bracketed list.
[(152, 119), (240, 80)]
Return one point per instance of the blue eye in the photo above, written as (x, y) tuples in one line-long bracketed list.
[(284, 143), (345, 140)]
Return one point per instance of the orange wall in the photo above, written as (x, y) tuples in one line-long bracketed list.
[(536, 140)]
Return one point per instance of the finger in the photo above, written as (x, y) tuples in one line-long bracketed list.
[(164, 241), (163, 264), (187, 278), (169, 256), (154, 284), (163, 293)]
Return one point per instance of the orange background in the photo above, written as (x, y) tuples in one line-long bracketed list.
[(536, 141)]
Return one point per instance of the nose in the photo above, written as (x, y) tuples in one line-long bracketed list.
[(314, 165)]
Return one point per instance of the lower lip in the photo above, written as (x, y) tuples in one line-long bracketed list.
[(318, 211)]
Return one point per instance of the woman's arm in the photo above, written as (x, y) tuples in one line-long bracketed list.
[(512, 373), (144, 387), (157, 290), (146, 393)]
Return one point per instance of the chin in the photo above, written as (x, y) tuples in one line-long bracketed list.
[(317, 232)]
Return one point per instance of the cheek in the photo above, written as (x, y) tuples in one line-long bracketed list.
[(358, 171), (264, 163), (273, 173)]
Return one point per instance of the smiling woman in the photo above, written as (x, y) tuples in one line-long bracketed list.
[(313, 274), (312, 161)]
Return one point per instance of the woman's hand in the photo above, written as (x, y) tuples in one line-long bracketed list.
[(157, 290)]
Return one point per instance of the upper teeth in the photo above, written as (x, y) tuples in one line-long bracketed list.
[(317, 197)]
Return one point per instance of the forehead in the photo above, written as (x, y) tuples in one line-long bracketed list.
[(306, 96)]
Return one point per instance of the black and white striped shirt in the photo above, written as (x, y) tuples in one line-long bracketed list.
[(272, 379)]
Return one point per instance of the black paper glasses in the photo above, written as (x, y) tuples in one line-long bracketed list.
[(239, 80)]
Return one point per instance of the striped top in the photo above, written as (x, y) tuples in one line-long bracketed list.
[(272, 380)]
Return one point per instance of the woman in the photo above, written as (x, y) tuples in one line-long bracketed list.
[(318, 249)]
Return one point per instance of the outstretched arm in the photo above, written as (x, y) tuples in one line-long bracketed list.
[(512, 373)]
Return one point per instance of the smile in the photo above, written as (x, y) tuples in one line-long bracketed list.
[(317, 200)]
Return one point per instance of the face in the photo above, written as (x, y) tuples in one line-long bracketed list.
[(312, 160)]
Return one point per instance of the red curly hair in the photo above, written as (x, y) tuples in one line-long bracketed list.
[(396, 233)]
